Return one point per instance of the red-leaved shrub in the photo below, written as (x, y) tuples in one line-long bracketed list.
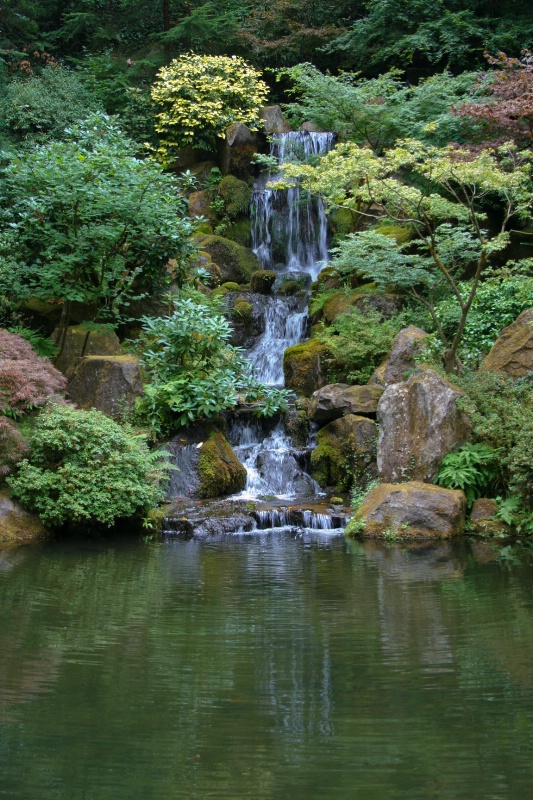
[(26, 380), (13, 446)]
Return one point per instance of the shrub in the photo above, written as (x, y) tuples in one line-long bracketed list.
[(358, 342), (46, 103), (86, 469), (13, 446), (201, 96), (472, 468), (27, 381)]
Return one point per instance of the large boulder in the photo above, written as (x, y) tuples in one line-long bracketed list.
[(206, 465), (303, 368), (200, 206), (236, 195), (262, 281), (237, 150), (273, 120), (100, 342), (406, 346), (108, 383), (345, 450), (340, 302), (512, 352), (235, 262), (17, 526), (420, 423), (411, 510), (337, 399)]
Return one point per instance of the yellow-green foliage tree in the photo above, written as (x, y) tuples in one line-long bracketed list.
[(200, 96)]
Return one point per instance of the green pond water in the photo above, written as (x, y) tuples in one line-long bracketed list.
[(264, 666)]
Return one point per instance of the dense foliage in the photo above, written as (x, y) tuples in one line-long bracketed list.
[(86, 470), (27, 380)]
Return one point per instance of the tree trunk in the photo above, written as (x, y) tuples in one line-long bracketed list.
[(166, 15)]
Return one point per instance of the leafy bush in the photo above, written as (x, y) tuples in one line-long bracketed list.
[(200, 96), (42, 345), (472, 468), (87, 221), (47, 103), (501, 411), (13, 446), (194, 371), (27, 381), (85, 469), (358, 342)]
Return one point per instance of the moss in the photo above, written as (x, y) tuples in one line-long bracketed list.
[(297, 427), (236, 195), (401, 233), (262, 281), (302, 366), (16, 525), (328, 278), (345, 451), (243, 311), (342, 221), (205, 227), (230, 286), (221, 472), (241, 231), (236, 263)]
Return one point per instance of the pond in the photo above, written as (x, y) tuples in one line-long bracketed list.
[(272, 665)]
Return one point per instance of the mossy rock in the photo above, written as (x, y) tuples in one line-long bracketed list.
[(221, 473), (342, 221), (339, 303), (262, 281), (328, 278), (229, 286), (236, 195), (101, 341), (400, 233), (297, 427), (235, 262), (240, 231), (302, 367), (205, 227), (243, 311), (17, 526), (108, 383), (345, 451)]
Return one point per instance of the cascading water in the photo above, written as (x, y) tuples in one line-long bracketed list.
[(289, 235)]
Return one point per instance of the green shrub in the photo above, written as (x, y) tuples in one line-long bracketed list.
[(358, 342), (472, 468), (85, 469)]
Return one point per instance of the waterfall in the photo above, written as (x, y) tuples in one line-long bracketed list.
[(289, 227)]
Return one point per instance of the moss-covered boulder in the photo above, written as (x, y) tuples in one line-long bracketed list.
[(328, 278), (413, 510), (17, 526), (108, 383), (407, 345), (235, 262), (220, 471), (303, 368), (200, 206), (243, 311), (297, 426), (98, 342), (345, 451), (240, 231), (400, 233), (262, 281), (236, 195), (342, 221), (512, 352)]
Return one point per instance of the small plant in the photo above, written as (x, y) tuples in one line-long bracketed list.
[(472, 468), (42, 345), (27, 381), (85, 469)]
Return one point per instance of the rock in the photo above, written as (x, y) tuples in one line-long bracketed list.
[(108, 383), (189, 157), (483, 509), (337, 399), (412, 510), (420, 423), (297, 427), (400, 233), (345, 450), (202, 171), (310, 127), (262, 281), (236, 195), (17, 526), (292, 282), (329, 278), (340, 302), (342, 221), (204, 261), (302, 367), (405, 347), (240, 231), (101, 342), (512, 352), (185, 519), (235, 262), (219, 469), (237, 150), (273, 120), (200, 206)]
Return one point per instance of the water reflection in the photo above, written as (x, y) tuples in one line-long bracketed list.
[(264, 666)]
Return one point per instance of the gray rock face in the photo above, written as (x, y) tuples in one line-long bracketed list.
[(512, 352), (419, 424), (108, 383), (101, 342), (273, 120), (237, 149), (404, 349), (338, 399), (413, 510)]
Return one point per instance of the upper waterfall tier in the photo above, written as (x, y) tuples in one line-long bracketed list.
[(289, 227)]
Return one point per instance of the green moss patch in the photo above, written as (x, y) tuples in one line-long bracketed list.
[(221, 472)]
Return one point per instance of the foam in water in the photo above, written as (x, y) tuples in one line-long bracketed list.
[(283, 328)]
